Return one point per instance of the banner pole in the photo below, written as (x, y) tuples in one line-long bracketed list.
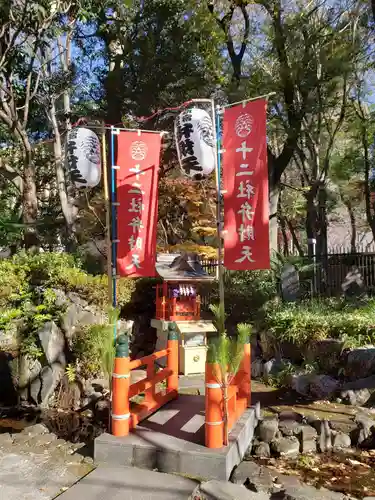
[(243, 102), (107, 216), (220, 269), (113, 229)]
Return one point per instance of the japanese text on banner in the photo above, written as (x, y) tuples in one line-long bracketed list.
[(245, 179), (137, 181)]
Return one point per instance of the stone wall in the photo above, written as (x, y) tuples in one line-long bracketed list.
[(35, 380), (322, 370), (289, 433)]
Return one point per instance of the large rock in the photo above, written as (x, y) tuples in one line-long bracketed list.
[(345, 426), (255, 477), (69, 320), (267, 345), (285, 447), (325, 437), (327, 353), (315, 386), (308, 446), (360, 362), (53, 343), (137, 376), (323, 386), (29, 371), (267, 429), (301, 383), (308, 433), (357, 397), (364, 436), (36, 430), (270, 348), (262, 450), (362, 383), (341, 440), (307, 438), (77, 312), (292, 352), (42, 388), (256, 369), (290, 427)]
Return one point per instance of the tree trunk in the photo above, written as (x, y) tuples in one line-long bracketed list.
[(311, 219), (322, 244), (353, 226), (284, 235), (113, 81), (64, 188), (274, 227), (295, 240), (226, 410), (67, 207), (369, 206), (29, 197)]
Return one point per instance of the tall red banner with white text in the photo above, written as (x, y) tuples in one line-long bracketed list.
[(137, 162), (245, 179)]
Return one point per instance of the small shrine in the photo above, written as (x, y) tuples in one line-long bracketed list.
[(178, 299)]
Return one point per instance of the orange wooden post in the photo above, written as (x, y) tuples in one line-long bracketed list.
[(245, 383), (120, 389), (163, 304), (174, 306), (172, 359), (150, 394), (214, 424)]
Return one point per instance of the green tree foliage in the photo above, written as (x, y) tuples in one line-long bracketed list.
[(119, 61)]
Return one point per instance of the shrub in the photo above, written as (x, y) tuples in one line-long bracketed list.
[(94, 348), (246, 294), (317, 320), (56, 270), (27, 292), (12, 281)]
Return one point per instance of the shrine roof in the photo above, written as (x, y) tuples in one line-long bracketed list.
[(181, 267)]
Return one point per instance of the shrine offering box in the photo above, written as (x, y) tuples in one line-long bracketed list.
[(192, 343)]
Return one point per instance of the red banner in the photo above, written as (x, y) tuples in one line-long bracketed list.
[(137, 160), (245, 176)]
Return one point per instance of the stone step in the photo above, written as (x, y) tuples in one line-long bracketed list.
[(130, 483)]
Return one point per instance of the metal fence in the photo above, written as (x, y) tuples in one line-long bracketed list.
[(339, 271), (345, 272)]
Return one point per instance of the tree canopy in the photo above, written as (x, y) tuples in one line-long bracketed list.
[(118, 61)]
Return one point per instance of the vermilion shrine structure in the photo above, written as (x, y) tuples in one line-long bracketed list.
[(130, 419), (178, 299)]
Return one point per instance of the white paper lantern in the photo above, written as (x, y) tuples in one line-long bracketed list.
[(83, 157), (195, 141)]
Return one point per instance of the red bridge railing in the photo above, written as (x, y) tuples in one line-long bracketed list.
[(125, 414)]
